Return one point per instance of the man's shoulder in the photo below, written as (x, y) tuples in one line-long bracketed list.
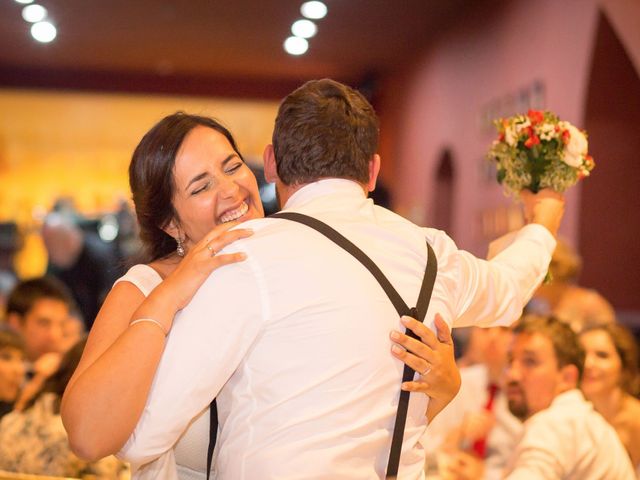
[(567, 415)]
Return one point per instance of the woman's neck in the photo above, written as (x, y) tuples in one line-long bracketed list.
[(609, 404)]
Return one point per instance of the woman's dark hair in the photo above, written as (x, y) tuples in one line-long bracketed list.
[(57, 382), (151, 177), (627, 349)]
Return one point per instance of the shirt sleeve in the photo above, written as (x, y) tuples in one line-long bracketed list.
[(207, 342), (494, 292)]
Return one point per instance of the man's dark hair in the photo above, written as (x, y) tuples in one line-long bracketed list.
[(25, 294), (564, 340), (324, 129)]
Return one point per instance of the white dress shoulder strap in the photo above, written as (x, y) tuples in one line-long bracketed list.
[(142, 276)]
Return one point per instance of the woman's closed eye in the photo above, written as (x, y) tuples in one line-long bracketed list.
[(231, 169), (201, 188)]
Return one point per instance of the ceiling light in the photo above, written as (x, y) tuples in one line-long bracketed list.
[(296, 45), (314, 10), (34, 13), (24, 2), (43, 32), (304, 28)]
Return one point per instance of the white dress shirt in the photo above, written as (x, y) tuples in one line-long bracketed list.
[(570, 441), (294, 341)]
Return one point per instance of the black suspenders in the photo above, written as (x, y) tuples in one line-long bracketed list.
[(418, 312)]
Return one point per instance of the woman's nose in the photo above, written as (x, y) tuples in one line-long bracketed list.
[(228, 188)]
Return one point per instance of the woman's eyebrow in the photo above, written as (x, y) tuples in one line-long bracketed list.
[(229, 158)]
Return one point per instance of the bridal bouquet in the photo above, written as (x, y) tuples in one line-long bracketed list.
[(538, 150)]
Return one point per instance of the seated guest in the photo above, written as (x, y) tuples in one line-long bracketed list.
[(34, 440), (12, 368), (611, 380), (38, 310), (478, 419), (564, 437)]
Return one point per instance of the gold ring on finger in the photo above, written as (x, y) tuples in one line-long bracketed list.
[(210, 248)]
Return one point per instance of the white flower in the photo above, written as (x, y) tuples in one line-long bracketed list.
[(576, 149), (523, 125), (546, 131), (510, 136)]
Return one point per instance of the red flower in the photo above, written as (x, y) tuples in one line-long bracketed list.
[(533, 138), (566, 136), (536, 116)]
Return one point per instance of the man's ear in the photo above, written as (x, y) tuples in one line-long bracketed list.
[(270, 168), (374, 170), (14, 321), (569, 377)]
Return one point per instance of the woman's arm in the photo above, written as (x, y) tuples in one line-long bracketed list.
[(432, 356), (108, 391)]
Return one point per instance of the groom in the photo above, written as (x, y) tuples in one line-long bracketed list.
[(305, 385)]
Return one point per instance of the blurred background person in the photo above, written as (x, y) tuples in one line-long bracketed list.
[(563, 297), (12, 368), (82, 261), (563, 438), (33, 440), (478, 420), (7, 282), (38, 310), (610, 381)]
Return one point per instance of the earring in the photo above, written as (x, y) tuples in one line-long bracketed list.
[(180, 247)]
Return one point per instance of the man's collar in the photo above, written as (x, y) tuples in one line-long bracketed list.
[(328, 186)]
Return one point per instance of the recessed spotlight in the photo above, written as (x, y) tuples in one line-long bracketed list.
[(314, 10), (24, 2), (296, 45), (304, 28), (43, 32), (34, 13)]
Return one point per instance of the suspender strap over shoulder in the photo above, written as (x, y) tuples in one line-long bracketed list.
[(418, 312)]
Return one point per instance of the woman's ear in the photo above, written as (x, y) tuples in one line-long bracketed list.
[(173, 229)]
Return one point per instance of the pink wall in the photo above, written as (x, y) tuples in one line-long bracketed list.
[(494, 54)]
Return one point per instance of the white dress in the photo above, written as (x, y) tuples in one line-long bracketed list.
[(188, 459)]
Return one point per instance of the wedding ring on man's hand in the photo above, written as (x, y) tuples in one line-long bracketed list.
[(426, 372)]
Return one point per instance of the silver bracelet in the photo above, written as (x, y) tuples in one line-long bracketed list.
[(150, 320)]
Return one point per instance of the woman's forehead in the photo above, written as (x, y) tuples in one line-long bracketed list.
[(202, 148)]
